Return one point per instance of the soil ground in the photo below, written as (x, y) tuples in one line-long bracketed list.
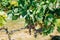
[(23, 34)]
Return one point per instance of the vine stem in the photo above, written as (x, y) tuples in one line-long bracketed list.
[(6, 32), (9, 37)]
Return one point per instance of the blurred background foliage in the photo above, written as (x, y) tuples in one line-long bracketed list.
[(45, 13)]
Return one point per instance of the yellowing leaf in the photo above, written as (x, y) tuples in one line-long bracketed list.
[(57, 22), (2, 21), (15, 3), (3, 14)]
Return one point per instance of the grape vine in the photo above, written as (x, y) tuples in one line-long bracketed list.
[(35, 12)]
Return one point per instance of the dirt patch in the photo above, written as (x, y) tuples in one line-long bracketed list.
[(22, 34)]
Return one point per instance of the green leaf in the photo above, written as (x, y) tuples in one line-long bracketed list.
[(48, 30)]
